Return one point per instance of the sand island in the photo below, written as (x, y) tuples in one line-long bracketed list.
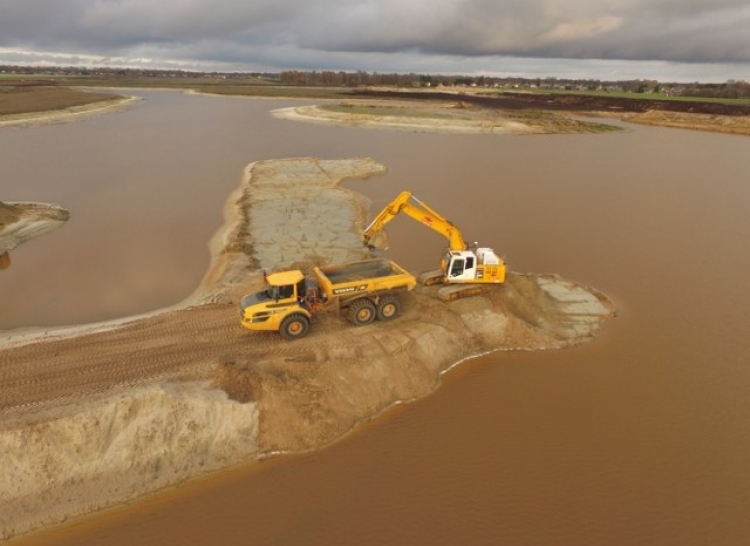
[(97, 415)]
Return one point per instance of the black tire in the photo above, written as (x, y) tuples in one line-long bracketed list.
[(362, 312), (389, 308), (294, 326)]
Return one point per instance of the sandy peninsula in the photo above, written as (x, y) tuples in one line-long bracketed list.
[(72, 113), (98, 415), (21, 222), (447, 116)]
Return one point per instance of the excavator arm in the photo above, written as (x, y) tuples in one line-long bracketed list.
[(411, 206)]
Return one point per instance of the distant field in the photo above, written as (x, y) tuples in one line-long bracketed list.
[(629, 95), (25, 99)]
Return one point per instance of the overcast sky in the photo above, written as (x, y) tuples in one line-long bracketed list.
[(669, 40)]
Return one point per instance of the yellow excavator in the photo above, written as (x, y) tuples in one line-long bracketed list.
[(459, 264)]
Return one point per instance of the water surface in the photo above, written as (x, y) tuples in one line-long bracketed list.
[(640, 437)]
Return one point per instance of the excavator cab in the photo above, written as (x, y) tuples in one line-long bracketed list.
[(460, 266)]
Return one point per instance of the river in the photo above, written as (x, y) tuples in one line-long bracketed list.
[(640, 437)]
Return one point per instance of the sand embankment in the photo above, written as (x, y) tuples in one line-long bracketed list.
[(93, 417)]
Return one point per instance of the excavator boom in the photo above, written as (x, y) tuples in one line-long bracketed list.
[(406, 203)]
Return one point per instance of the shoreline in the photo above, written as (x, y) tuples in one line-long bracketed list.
[(180, 393), (499, 122)]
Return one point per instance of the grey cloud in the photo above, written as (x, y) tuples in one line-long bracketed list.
[(671, 30), (331, 33)]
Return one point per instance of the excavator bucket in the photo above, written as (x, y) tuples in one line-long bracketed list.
[(379, 241)]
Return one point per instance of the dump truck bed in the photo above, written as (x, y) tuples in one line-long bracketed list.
[(363, 277)]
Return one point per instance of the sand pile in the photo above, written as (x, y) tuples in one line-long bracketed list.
[(112, 450)]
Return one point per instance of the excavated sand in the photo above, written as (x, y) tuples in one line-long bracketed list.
[(100, 415)]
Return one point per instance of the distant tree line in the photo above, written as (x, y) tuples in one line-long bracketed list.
[(732, 89), (117, 72)]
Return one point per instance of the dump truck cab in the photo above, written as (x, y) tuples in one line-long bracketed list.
[(281, 306)]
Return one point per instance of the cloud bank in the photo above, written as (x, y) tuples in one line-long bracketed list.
[(492, 36)]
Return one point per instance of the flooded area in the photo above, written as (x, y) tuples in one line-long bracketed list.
[(640, 437)]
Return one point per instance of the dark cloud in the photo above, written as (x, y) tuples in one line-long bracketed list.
[(330, 33)]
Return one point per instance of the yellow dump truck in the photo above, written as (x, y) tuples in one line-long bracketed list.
[(367, 290)]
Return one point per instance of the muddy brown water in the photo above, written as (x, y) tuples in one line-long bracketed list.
[(641, 437)]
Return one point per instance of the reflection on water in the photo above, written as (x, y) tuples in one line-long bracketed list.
[(638, 438)]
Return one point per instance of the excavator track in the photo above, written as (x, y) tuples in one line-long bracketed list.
[(453, 292)]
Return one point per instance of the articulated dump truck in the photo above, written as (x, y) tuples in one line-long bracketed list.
[(367, 290)]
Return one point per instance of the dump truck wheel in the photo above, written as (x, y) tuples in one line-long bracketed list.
[(389, 308), (362, 312), (295, 326)]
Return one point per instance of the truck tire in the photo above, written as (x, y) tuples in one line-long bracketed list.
[(389, 307), (294, 326), (362, 312)]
